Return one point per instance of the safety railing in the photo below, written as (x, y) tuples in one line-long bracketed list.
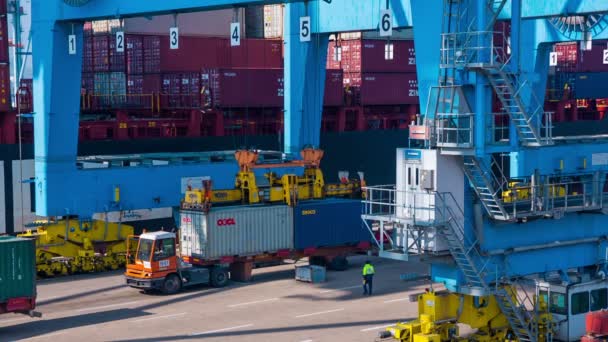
[(498, 125), (454, 130), (524, 199), (424, 208), (471, 48)]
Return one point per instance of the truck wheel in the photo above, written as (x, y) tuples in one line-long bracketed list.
[(219, 277), (171, 285), (317, 261), (339, 263)]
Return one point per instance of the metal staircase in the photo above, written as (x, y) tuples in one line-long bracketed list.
[(487, 185), (475, 268), (528, 123)]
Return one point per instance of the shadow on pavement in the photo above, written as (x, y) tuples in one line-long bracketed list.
[(250, 332)]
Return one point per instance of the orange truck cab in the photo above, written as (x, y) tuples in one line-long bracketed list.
[(154, 265)]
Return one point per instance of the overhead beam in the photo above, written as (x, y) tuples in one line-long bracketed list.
[(534, 9), (554, 8), (108, 9), (357, 15)]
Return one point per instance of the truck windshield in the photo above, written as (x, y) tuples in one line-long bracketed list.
[(144, 251)]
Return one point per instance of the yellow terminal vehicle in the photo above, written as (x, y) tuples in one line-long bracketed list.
[(439, 313), (74, 246)]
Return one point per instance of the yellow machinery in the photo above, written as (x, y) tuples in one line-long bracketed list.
[(440, 312), (518, 191), (73, 246), (288, 188)]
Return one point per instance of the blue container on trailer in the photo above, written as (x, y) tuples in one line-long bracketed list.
[(329, 223)]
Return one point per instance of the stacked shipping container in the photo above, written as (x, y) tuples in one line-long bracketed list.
[(382, 73)]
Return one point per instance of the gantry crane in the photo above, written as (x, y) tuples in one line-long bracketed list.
[(502, 205), (449, 195)]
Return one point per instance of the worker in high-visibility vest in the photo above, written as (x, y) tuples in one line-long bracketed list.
[(368, 278)]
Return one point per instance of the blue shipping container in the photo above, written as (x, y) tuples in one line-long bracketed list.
[(591, 85), (329, 223)]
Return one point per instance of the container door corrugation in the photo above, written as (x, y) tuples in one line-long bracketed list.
[(237, 231), (17, 268)]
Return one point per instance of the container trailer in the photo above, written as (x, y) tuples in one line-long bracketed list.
[(18, 276), (225, 243)]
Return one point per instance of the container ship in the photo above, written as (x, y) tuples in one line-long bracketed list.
[(208, 95)]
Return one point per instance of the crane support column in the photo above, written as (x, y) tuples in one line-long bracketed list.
[(304, 79), (56, 80)]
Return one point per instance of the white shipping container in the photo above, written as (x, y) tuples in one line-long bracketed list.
[(236, 231), (273, 21)]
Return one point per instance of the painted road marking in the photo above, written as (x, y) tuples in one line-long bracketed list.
[(106, 306), (306, 341), (396, 300), (159, 317), (256, 302), (376, 328), (342, 288), (319, 313), (222, 330), (47, 336)]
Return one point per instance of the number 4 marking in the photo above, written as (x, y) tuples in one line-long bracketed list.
[(235, 34)]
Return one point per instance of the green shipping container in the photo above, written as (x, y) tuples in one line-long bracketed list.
[(17, 268)]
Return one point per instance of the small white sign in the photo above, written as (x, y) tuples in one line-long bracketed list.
[(304, 29), (174, 38), (120, 41), (553, 59), (386, 23), (72, 44), (605, 56), (235, 34)]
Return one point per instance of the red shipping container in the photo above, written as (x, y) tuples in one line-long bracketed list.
[(151, 54), (593, 60), (135, 54), (88, 83), (334, 89), (372, 56), (4, 58), (152, 84), (398, 56), (87, 54), (101, 58), (88, 29), (257, 53), (190, 90), (171, 90), (117, 59), (274, 53), (135, 84), (194, 53), (389, 89), (242, 88), (596, 323), (5, 88), (352, 79)]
